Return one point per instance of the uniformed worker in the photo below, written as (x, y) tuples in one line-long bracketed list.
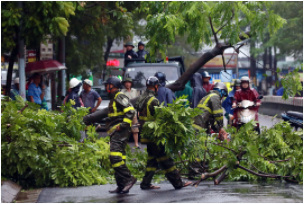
[(156, 153), (141, 50), (119, 121), (211, 118)]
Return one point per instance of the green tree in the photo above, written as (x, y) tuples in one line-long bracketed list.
[(96, 25), (202, 22), (32, 21)]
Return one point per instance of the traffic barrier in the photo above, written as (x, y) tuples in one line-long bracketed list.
[(275, 105)]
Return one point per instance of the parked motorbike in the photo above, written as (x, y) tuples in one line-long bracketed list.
[(244, 113), (294, 118)]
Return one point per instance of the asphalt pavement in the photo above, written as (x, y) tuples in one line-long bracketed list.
[(206, 192)]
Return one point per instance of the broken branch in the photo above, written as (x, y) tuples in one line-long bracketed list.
[(214, 34)]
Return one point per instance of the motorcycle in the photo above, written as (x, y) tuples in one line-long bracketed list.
[(244, 113), (294, 118)]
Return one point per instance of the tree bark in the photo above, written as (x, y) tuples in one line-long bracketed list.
[(10, 70), (106, 56), (253, 63)]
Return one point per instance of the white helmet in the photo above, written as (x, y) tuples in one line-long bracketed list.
[(88, 82), (74, 82), (16, 80), (245, 79)]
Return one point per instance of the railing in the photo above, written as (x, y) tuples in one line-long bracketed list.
[(296, 101)]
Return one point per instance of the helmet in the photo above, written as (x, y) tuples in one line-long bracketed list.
[(88, 82), (222, 88), (237, 82), (161, 76), (127, 79), (205, 74), (16, 80), (129, 44), (74, 82), (245, 79), (140, 43), (152, 81), (113, 80)]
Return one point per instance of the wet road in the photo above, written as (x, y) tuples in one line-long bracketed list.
[(207, 192)]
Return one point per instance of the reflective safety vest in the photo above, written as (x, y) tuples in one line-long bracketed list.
[(215, 109), (146, 117), (116, 113)]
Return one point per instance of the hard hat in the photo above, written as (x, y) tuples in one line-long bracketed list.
[(140, 43), (221, 87), (88, 82), (205, 74), (161, 76), (152, 81), (129, 44), (237, 82), (74, 82), (245, 79), (16, 80), (127, 79), (115, 81)]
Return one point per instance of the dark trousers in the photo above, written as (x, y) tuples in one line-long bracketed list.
[(118, 144), (157, 156)]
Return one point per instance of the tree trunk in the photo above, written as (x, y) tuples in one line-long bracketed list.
[(106, 56), (270, 65), (275, 65), (10, 70), (253, 63)]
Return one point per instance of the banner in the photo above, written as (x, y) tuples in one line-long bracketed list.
[(217, 62)]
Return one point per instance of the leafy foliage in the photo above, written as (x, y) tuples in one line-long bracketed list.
[(278, 150), (37, 19), (291, 82), (166, 20), (41, 148), (173, 126)]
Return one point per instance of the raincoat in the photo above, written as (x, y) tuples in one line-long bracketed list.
[(165, 95), (247, 94), (198, 91), (227, 104), (208, 87), (187, 92)]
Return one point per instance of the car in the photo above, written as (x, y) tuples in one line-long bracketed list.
[(139, 72)]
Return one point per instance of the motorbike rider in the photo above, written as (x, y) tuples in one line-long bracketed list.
[(145, 105), (198, 91), (206, 84), (227, 104), (246, 93), (164, 94), (141, 50), (211, 118), (119, 122)]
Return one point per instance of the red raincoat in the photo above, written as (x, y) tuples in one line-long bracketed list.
[(208, 87), (247, 94)]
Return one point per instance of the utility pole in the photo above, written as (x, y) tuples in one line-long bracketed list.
[(61, 74), (21, 62), (53, 83)]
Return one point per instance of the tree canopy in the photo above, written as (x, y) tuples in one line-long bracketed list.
[(36, 19)]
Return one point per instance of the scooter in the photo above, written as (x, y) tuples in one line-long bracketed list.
[(294, 118), (244, 113)]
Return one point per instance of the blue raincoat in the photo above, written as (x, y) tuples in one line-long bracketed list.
[(227, 104), (165, 95)]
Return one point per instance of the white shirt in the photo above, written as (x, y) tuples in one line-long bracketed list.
[(133, 93)]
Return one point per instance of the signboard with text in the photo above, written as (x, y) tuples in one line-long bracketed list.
[(31, 56), (217, 62)]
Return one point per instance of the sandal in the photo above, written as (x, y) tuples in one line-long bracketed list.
[(150, 187)]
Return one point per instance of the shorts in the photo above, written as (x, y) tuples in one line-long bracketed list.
[(134, 122)]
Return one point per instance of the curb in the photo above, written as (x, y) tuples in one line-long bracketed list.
[(9, 191)]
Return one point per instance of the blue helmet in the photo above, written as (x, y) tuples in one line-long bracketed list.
[(161, 76), (205, 74), (221, 88), (113, 80)]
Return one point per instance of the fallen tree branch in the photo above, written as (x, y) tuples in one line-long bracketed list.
[(224, 147), (220, 178), (262, 175), (22, 109), (284, 160), (179, 153), (214, 34), (208, 175)]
